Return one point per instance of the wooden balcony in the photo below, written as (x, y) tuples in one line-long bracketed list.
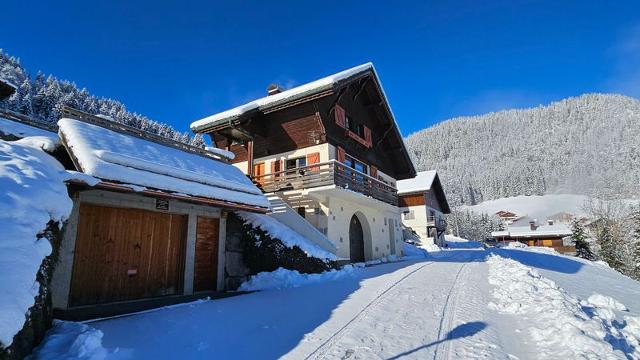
[(326, 174)]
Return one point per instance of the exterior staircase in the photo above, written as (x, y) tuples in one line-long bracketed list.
[(282, 212)]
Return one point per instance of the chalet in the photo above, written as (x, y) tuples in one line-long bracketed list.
[(507, 217), (423, 205), (546, 235), (149, 221), (328, 155)]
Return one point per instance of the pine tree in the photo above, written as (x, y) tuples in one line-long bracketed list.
[(579, 238), (635, 272), (609, 248)]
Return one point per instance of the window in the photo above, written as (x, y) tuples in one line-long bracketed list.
[(356, 165), (295, 163), (410, 215), (355, 127)]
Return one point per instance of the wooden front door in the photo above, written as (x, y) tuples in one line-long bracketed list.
[(207, 245), (356, 240), (126, 254)]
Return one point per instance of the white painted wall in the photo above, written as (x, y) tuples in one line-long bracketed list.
[(419, 221), (375, 218)]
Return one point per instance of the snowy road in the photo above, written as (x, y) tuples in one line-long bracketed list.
[(462, 303)]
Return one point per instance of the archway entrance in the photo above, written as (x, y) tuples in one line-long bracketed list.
[(356, 240)]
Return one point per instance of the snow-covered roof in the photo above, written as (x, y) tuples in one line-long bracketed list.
[(542, 230), (422, 182), (128, 159), (325, 83), (20, 130)]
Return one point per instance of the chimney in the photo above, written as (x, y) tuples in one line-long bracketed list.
[(550, 221), (532, 225), (274, 89)]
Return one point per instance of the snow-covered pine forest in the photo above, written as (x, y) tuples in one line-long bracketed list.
[(588, 145), (42, 97)]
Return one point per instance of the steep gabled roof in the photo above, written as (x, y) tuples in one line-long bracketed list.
[(422, 182), (314, 89), (425, 181), (308, 89), (142, 165)]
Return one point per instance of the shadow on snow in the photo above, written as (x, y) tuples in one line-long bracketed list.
[(269, 324)]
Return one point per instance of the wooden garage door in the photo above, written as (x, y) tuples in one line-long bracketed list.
[(125, 254), (206, 263)]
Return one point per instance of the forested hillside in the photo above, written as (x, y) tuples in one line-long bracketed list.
[(41, 97), (588, 145)]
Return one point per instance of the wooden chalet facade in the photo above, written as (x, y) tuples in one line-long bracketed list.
[(331, 151), (143, 230), (546, 235), (423, 204)]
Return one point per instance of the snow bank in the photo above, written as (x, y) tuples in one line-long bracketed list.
[(71, 340), (560, 324), (414, 252), (288, 237), (284, 279), (33, 192)]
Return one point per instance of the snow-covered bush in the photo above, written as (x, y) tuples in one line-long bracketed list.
[(264, 253)]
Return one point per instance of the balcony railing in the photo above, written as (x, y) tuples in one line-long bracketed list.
[(327, 173), (436, 221)]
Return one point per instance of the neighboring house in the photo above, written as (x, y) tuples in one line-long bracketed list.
[(149, 221), (6, 89), (328, 154), (423, 205), (547, 235), (561, 217), (507, 217)]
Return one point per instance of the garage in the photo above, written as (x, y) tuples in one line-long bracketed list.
[(126, 254)]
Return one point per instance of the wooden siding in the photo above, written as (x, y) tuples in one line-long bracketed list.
[(280, 132), (432, 200), (206, 263), (126, 254), (412, 200)]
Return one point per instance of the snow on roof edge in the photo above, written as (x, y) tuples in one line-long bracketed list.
[(422, 182), (280, 97)]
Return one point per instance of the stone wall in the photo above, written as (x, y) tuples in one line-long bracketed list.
[(236, 271), (39, 318)]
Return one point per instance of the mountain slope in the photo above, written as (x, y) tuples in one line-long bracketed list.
[(588, 145)]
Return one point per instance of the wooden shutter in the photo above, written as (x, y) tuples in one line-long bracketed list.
[(341, 116), (373, 172), (276, 166), (340, 154), (313, 158), (367, 137)]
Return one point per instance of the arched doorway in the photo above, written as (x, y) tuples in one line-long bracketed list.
[(356, 240)]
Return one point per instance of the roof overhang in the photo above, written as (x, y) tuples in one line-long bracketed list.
[(124, 188)]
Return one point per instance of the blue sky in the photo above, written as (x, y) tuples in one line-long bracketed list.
[(179, 61)]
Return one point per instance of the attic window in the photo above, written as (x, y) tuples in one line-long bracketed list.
[(355, 127)]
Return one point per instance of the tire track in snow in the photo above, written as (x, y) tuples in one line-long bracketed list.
[(321, 351), (443, 348)]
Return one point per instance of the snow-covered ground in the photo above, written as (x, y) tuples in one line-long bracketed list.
[(464, 302), (537, 207)]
